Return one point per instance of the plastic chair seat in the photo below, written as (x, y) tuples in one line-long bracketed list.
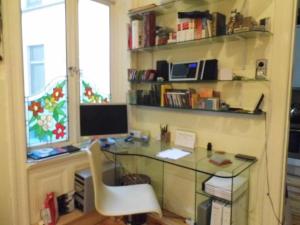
[(128, 200), (119, 200)]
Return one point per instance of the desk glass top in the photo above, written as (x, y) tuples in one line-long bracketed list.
[(198, 160)]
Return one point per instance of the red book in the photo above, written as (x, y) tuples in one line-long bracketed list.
[(129, 38), (198, 28), (149, 29)]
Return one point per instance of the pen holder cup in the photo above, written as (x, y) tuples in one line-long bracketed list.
[(165, 137)]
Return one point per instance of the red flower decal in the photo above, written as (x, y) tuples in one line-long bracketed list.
[(59, 131), (89, 92), (57, 93), (36, 108)]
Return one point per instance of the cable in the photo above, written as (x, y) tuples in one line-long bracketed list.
[(268, 178), (268, 190)]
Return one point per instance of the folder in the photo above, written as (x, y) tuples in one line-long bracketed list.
[(226, 216), (216, 213)]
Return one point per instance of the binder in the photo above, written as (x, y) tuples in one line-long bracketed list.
[(216, 213), (226, 216)]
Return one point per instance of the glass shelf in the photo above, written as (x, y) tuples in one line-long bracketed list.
[(194, 81), (167, 7), (240, 112), (209, 40)]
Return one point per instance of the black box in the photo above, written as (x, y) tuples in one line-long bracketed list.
[(162, 69), (208, 69)]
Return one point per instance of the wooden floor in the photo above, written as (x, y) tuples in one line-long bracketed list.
[(295, 220), (93, 218)]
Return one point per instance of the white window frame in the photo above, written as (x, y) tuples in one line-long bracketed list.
[(72, 48)]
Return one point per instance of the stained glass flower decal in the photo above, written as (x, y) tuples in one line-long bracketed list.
[(46, 115)]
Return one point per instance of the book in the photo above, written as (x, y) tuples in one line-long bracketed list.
[(149, 29), (163, 89), (218, 24), (45, 153), (198, 29), (129, 36), (137, 33)]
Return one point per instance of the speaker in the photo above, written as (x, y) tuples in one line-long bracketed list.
[(162, 70), (261, 69)]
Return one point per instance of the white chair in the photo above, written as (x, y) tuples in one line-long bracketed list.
[(119, 200)]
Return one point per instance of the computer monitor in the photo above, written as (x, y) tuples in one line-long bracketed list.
[(103, 120)]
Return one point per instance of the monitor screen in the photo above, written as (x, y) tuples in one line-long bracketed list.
[(103, 119)]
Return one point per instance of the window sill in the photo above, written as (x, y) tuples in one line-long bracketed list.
[(32, 164)]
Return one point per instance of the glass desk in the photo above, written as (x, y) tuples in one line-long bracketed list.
[(139, 157)]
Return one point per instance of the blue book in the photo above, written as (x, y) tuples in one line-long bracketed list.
[(45, 153)]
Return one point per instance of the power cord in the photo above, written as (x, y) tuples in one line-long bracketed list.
[(268, 178), (268, 191)]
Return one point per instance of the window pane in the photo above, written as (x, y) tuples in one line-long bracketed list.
[(31, 3), (94, 57), (36, 53), (45, 80), (37, 78)]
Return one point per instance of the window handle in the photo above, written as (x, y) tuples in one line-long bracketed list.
[(73, 70)]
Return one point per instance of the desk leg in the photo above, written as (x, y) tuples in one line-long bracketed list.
[(163, 185), (115, 170)]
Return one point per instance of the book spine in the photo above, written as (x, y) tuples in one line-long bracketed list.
[(129, 36), (149, 29), (135, 24), (198, 28), (179, 30), (204, 28), (209, 27), (218, 24)]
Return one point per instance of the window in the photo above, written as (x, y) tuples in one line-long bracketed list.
[(94, 57), (36, 69), (33, 3), (52, 96)]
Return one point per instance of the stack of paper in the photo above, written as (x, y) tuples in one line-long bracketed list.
[(173, 153), (226, 188)]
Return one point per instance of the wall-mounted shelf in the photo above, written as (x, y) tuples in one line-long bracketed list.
[(167, 7), (241, 112), (209, 40), (197, 81)]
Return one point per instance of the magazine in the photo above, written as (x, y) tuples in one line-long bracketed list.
[(45, 153)]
